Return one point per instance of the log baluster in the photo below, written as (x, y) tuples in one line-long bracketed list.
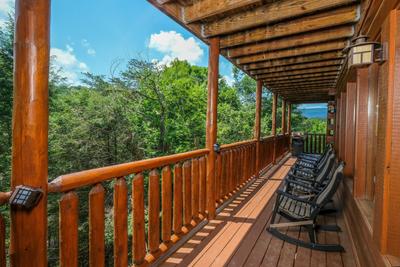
[(195, 188), (69, 212), (96, 226), (120, 222), (187, 196), (139, 238), (178, 201), (154, 212), (203, 188), (166, 203)]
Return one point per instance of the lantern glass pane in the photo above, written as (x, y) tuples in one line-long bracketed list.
[(356, 59), (367, 58), (363, 48)]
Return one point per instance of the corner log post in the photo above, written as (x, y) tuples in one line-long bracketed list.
[(211, 124), (283, 116), (30, 129), (257, 125), (273, 130)]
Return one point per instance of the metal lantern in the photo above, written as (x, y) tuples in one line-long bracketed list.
[(363, 53)]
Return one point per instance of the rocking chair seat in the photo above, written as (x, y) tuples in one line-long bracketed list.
[(295, 209)]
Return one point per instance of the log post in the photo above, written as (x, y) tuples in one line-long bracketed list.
[(283, 116), (211, 124), (273, 130), (30, 129), (289, 118), (257, 124)]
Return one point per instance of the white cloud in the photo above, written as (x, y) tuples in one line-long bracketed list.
[(6, 6), (67, 62), (173, 45), (89, 49)]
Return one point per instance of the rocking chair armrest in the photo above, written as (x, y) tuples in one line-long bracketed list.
[(280, 192)]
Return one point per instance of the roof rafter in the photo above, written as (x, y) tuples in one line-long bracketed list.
[(314, 22), (268, 14)]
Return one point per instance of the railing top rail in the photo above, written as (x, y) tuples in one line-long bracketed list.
[(241, 143), (267, 138), (75, 180)]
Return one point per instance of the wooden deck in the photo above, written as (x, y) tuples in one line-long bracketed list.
[(237, 236)]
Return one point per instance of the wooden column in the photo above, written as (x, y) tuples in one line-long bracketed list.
[(30, 129), (273, 130), (211, 125), (342, 127), (351, 97), (257, 124), (361, 133), (289, 118), (386, 227), (283, 116)]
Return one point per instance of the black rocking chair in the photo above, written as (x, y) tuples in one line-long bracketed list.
[(302, 210)]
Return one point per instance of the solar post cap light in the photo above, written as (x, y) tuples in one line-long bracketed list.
[(25, 197)]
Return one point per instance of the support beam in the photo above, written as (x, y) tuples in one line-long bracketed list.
[(30, 129), (295, 52), (302, 76), (334, 55), (318, 21), (257, 124), (305, 66), (298, 72), (292, 41), (268, 14), (283, 116), (206, 9), (211, 126)]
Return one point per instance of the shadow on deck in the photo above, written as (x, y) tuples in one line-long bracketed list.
[(238, 236)]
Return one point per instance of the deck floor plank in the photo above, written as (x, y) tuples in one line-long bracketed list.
[(238, 236)]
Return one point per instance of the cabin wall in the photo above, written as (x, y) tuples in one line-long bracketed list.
[(368, 140)]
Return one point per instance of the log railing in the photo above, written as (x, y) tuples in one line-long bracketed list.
[(235, 165), (282, 144), (314, 143), (172, 207), (168, 199), (266, 152)]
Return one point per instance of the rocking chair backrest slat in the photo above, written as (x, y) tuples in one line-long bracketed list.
[(330, 189), (324, 174), (324, 158)]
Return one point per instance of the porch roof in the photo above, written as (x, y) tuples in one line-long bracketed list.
[(293, 46)]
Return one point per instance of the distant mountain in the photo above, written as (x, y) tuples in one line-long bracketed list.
[(319, 112)]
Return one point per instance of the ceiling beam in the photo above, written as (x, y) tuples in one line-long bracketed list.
[(298, 72), (318, 21), (304, 66), (295, 60), (312, 75), (293, 41), (295, 52), (206, 9), (328, 83), (268, 14)]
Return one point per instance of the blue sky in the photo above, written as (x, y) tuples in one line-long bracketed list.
[(101, 35), (98, 35)]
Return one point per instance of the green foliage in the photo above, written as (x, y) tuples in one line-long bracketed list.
[(145, 111)]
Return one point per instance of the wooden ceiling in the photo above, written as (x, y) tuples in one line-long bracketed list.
[(293, 46)]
